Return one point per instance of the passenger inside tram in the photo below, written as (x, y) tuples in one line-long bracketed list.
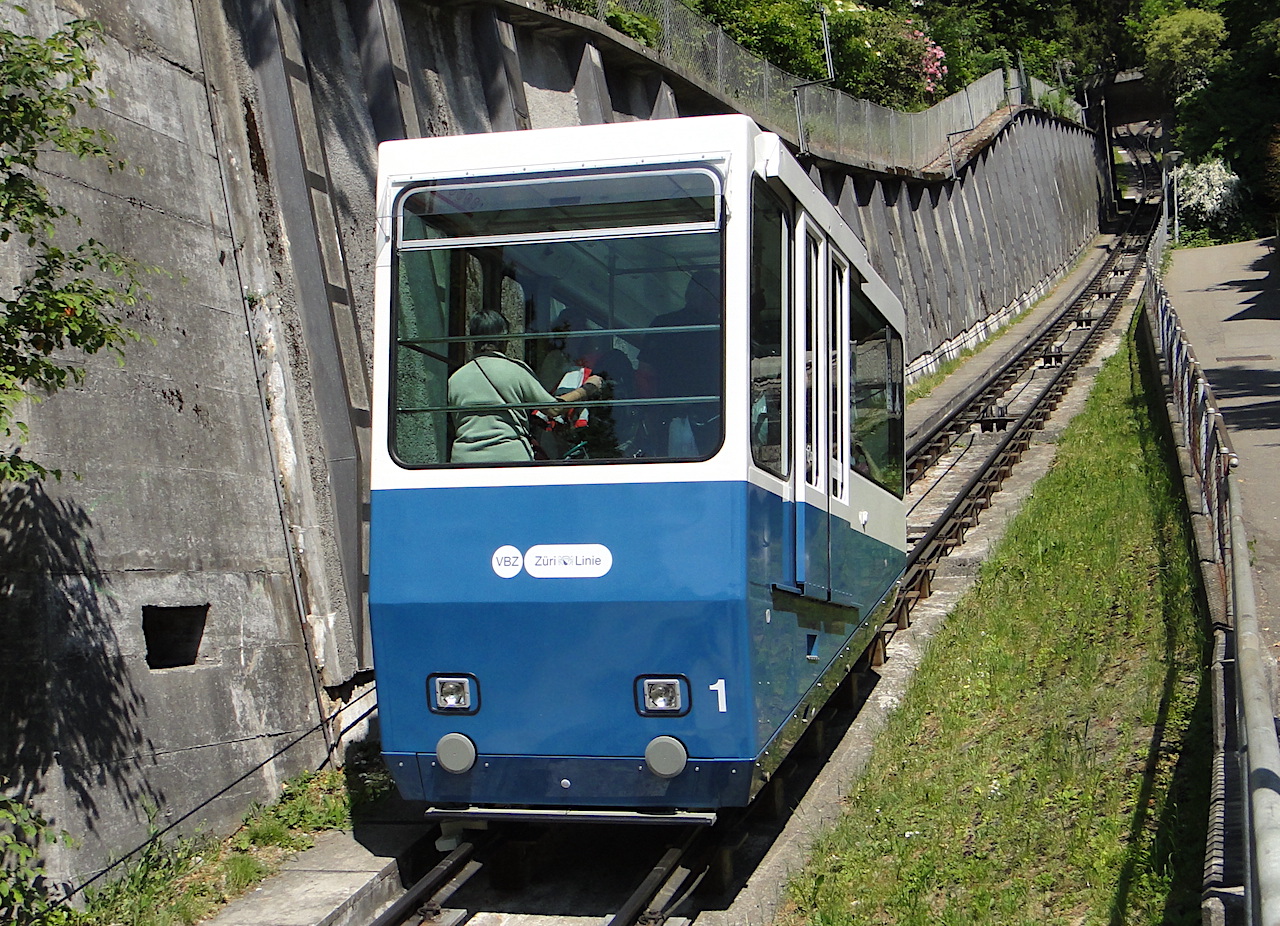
[(680, 358)]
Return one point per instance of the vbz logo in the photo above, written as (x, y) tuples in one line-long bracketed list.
[(507, 562)]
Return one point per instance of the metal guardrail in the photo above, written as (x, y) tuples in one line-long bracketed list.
[(1247, 753), (831, 120)]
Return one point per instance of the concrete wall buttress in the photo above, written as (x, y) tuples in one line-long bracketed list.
[(384, 65), (917, 270), (879, 242), (924, 218), (498, 60), (664, 101), (981, 234), (957, 249), (595, 104), (547, 69), (847, 204), (1001, 191), (332, 343), (450, 92)]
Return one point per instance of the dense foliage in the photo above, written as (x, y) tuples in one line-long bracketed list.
[(910, 53), (1227, 107), (69, 293), (1219, 60)]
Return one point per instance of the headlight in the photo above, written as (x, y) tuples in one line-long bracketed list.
[(453, 694), (665, 697)]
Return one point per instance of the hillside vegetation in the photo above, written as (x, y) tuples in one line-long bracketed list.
[(1219, 61)]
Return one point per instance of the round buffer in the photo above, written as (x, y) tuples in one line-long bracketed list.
[(455, 753), (665, 756)]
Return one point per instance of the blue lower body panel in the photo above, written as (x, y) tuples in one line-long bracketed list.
[(556, 601)]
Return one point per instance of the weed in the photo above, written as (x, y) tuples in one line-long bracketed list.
[(368, 779), (182, 881), (925, 385), (243, 871)]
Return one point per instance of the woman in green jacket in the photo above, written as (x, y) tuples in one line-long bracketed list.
[(491, 380)]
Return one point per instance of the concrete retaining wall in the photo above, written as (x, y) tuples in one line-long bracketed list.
[(175, 516), (222, 464)]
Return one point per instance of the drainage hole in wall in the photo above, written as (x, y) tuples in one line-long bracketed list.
[(173, 634)]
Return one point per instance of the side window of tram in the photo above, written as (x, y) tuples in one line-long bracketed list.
[(813, 317), (424, 357), (770, 281), (875, 396), (837, 294)]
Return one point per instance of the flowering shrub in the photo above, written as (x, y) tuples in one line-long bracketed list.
[(931, 65), (1210, 195), (885, 56)]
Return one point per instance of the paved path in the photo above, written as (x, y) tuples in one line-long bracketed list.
[(1228, 298)]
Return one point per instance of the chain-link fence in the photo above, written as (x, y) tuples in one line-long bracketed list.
[(819, 116)]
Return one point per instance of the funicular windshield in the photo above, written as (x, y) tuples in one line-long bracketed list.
[(559, 320)]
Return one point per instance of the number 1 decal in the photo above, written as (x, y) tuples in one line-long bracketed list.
[(718, 688)]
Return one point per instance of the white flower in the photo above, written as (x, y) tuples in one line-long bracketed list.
[(1209, 190)]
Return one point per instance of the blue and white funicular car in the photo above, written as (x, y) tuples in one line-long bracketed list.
[(638, 602)]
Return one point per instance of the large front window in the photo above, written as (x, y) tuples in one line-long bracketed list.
[(510, 294)]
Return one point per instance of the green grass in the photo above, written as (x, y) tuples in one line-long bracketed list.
[(1051, 761), (180, 882)]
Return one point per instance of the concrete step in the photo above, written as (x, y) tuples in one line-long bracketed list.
[(344, 880)]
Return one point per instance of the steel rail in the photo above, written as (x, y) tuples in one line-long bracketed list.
[(960, 515), (932, 444), (636, 907), (431, 883)]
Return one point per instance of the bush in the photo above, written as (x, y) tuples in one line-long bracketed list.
[(886, 57), (644, 29), (1210, 197), (24, 896)]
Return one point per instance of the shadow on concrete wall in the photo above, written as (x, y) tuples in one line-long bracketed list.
[(67, 705), (257, 28)]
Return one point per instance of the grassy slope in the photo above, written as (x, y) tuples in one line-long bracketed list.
[(1051, 761)]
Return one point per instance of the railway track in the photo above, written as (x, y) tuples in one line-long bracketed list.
[(958, 463), (677, 864)]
